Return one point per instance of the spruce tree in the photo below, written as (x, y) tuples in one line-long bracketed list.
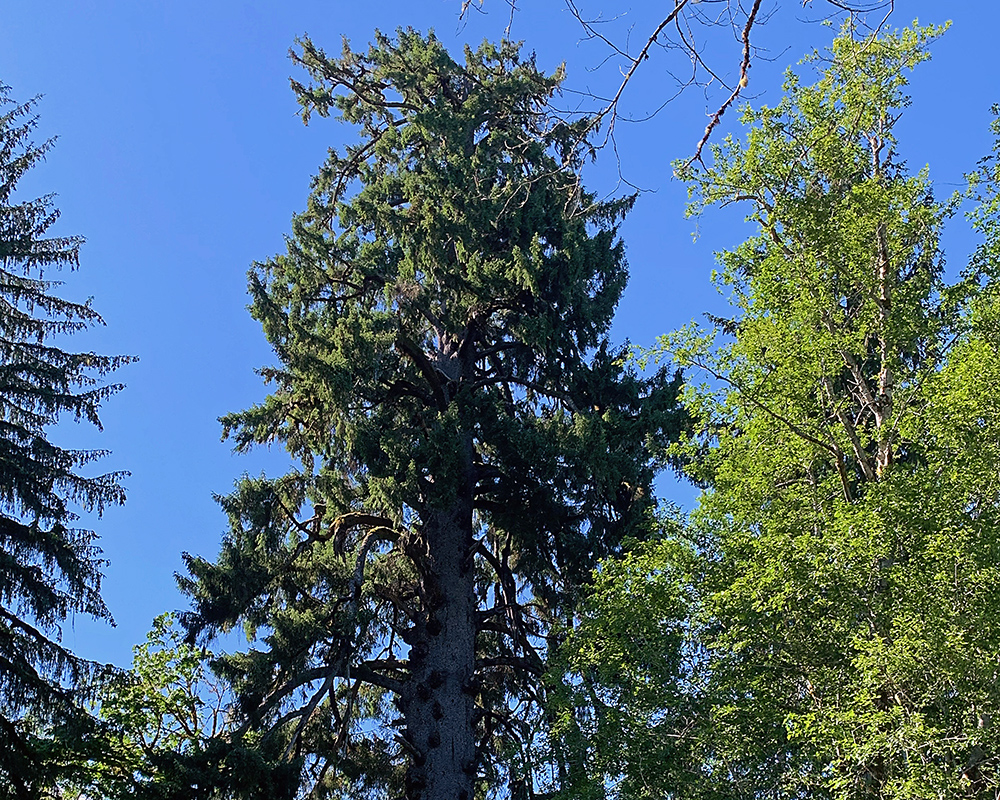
[(470, 442), (50, 569)]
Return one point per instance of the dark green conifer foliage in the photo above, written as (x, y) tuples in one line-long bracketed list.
[(470, 442), (49, 570)]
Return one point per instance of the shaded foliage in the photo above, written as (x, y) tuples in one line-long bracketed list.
[(49, 569), (470, 442)]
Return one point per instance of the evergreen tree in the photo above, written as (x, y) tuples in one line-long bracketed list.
[(850, 523), (49, 569), (470, 442)]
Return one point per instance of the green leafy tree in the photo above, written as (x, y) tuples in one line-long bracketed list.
[(831, 630), (850, 523), (166, 703), (628, 701), (168, 731), (470, 442), (49, 569)]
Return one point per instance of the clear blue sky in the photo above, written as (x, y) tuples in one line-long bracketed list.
[(181, 160)]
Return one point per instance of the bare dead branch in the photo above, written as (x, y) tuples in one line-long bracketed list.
[(684, 16), (740, 86), (643, 55)]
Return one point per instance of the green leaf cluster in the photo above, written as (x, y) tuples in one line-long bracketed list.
[(168, 731), (844, 606)]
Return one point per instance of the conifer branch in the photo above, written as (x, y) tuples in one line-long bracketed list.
[(427, 369)]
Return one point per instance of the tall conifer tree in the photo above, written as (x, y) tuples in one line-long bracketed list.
[(49, 569), (470, 442)]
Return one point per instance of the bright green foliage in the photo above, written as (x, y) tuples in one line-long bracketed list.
[(986, 216), (49, 570), (845, 624), (849, 453), (470, 442), (168, 730), (162, 705), (626, 700)]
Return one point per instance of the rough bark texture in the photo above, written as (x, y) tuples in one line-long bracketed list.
[(439, 702)]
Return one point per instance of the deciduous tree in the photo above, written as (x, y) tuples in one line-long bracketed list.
[(168, 732), (848, 450)]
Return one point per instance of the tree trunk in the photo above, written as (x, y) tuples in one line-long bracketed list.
[(439, 703)]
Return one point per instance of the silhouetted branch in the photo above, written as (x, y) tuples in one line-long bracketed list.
[(684, 17)]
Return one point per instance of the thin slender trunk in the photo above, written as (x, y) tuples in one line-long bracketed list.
[(884, 400), (885, 278)]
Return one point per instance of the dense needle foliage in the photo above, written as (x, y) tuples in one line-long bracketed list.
[(470, 442), (49, 570)]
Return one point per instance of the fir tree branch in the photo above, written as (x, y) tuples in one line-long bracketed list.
[(417, 356)]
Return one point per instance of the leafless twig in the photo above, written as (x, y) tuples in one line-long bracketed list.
[(686, 16), (744, 80)]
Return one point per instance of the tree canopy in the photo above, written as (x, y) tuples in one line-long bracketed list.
[(471, 444), (466, 587), (844, 638), (49, 569)]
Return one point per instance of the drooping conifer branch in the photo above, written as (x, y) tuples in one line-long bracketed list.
[(454, 513), (49, 570)]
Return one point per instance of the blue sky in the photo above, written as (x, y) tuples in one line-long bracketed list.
[(181, 160)]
